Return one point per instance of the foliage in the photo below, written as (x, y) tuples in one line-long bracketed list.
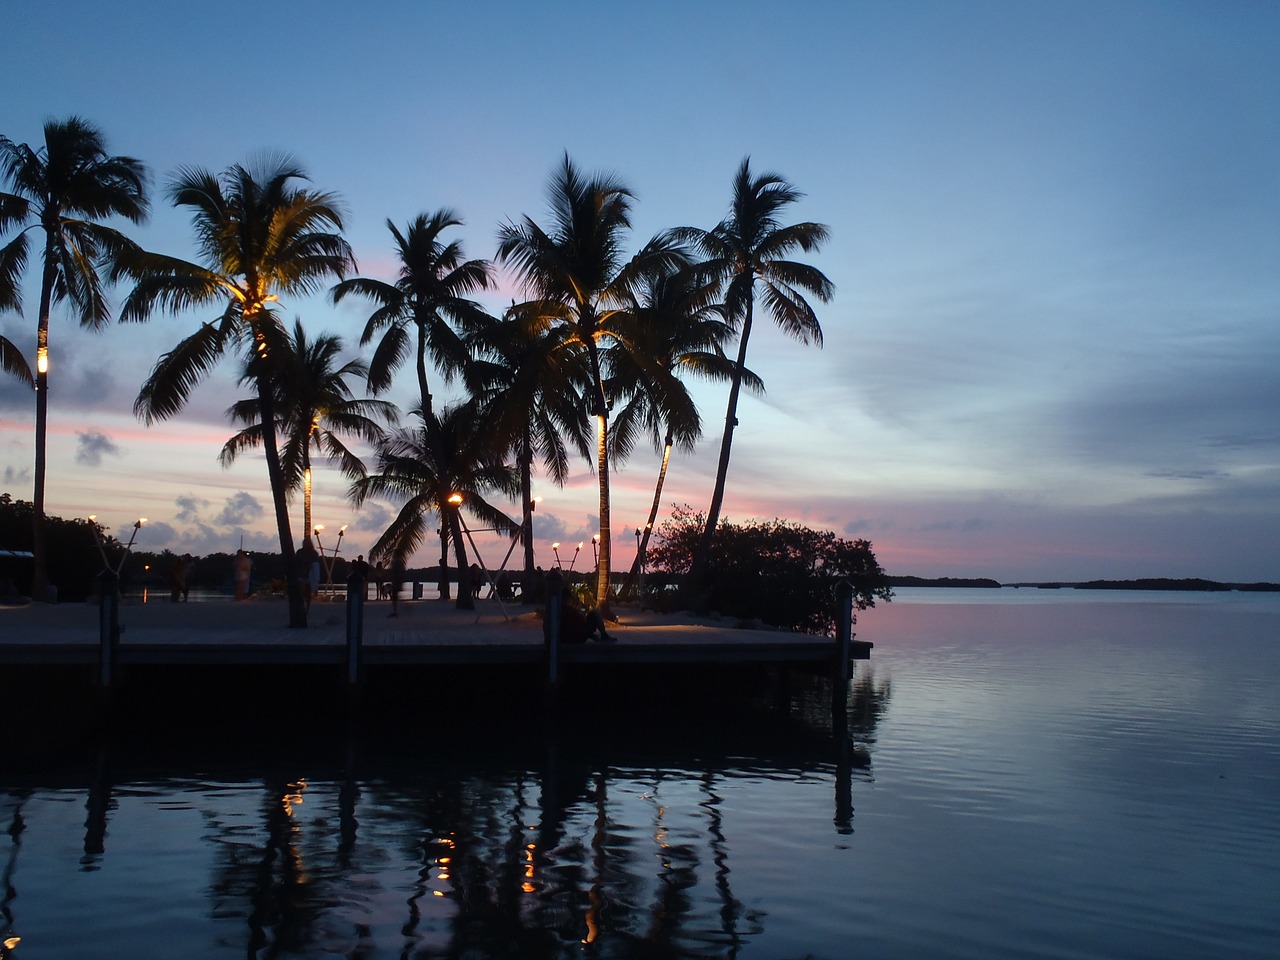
[(775, 571), (313, 406), (74, 561), (466, 462)]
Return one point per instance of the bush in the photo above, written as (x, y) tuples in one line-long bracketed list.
[(71, 556), (775, 571)]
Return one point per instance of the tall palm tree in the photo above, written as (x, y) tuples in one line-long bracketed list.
[(678, 327), (747, 250), (64, 188), (532, 390), (430, 295), (470, 467), (315, 408), (260, 235), (577, 273)]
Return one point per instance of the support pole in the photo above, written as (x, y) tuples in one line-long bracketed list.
[(839, 709), (551, 626), (356, 590), (840, 670), (108, 628), (844, 633)]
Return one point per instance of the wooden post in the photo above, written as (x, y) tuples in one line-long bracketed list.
[(840, 708), (844, 633), (840, 674), (356, 589), (108, 628), (551, 626)]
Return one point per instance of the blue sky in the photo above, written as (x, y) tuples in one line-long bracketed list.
[(1053, 348)]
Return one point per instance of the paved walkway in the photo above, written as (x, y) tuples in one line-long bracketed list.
[(264, 621)]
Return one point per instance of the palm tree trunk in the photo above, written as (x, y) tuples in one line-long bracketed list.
[(275, 475), (442, 577), (40, 575), (307, 528), (631, 585), (600, 409), (602, 467), (431, 433), (701, 554), (527, 585), (465, 599)]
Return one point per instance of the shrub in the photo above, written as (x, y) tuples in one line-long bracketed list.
[(70, 552), (775, 571)]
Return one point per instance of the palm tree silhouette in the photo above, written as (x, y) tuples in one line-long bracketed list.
[(314, 408), (745, 250), (532, 389), (676, 328), (431, 295), (260, 235), (63, 188), (466, 461), (579, 278)]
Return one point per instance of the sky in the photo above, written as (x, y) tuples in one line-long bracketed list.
[(1053, 348)]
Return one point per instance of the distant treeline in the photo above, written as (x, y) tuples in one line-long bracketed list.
[(942, 582), (1144, 583), (1166, 583)]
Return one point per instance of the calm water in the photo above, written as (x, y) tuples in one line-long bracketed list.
[(1026, 774)]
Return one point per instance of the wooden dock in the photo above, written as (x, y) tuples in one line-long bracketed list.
[(425, 633)]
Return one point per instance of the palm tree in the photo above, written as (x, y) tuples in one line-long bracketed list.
[(469, 468), (580, 279), (746, 250), (260, 235), (431, 294), (532, 392), (678, 327), (314, 409), (64, 188)]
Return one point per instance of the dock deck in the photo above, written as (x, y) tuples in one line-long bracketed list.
[(255, 632)]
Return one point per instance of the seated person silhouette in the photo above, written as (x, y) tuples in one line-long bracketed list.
[(578, 625)]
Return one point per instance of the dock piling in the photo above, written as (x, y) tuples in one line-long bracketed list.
[(356, 590), (108, 628), (844, 633), (551, 626)]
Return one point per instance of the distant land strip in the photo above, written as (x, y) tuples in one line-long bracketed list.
[(1146, 583)]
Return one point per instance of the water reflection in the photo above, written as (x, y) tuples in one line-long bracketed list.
[(588, 834)]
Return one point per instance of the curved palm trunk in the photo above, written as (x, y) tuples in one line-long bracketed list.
[(698, 568), (275, 475), (631, 586), (40, 577)]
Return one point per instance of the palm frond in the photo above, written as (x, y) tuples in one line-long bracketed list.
[(13, 261), (12, 361), (177, 373)]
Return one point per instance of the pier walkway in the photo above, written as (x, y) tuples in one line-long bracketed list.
[(255, 632)]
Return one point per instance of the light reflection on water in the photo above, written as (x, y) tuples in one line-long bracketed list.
[(1047, 780)]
